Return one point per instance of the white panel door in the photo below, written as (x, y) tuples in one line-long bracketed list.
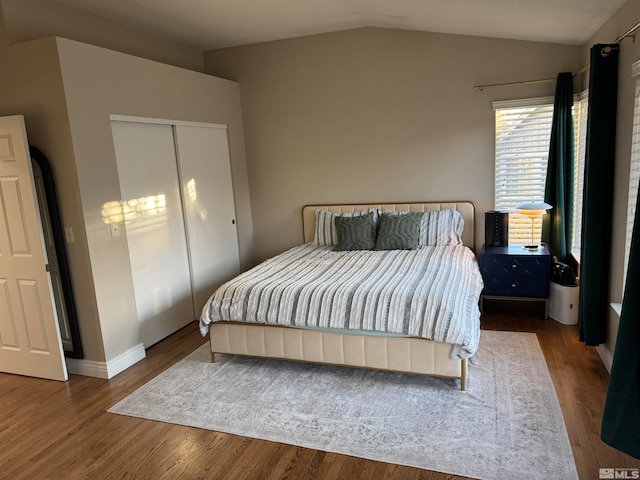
[(29, 336), (205, 172), (154, 225)]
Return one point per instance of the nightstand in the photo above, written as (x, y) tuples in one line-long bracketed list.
[(514, 273)]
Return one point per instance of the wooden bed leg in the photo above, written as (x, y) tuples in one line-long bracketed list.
[(463, 376), (213, 357)]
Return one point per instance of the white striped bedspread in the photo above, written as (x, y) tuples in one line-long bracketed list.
[(431, 292)]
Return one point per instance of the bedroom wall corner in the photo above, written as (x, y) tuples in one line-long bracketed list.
[(619, 23), (99, 82), (34, 19), (34, 89)]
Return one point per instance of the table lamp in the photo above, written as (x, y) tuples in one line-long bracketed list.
[(533, 210)]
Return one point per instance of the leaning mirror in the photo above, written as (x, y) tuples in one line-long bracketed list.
[(57, 254)]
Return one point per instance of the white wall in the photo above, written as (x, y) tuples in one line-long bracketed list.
[(67, 90), (4, 51), (35, 90), (625, 18), (372, 115), (33, 19)]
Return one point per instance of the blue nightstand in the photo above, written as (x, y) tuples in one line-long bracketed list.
[(514, 273)]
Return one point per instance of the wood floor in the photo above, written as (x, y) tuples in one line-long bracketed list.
[(54, 430)]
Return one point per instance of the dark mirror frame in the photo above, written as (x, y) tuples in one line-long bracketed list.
[(61, 252)]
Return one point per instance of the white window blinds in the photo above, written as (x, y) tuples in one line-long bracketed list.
[(634, 173), (523, 132), (522, 149), (580, 111)]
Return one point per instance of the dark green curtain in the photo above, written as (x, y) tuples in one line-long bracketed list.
[(621, 419), (598, 194), (558, 191)]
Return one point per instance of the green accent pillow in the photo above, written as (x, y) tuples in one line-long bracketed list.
[(355, 233), (399, 232)]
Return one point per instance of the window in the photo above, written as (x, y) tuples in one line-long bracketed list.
[(634, 172), (522, 149), (580, 111), (523, 131)]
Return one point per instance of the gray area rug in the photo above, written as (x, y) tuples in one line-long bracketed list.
[(508, 424)]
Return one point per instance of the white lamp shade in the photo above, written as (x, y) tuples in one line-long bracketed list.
[(533, 209)]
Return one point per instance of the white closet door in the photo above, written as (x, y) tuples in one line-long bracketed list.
[(205, 172), (154, 226)]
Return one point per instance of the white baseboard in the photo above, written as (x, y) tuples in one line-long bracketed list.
[(605, 356), (110, 369), (88, 368)]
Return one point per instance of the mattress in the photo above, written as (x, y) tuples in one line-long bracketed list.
[(430, 293)]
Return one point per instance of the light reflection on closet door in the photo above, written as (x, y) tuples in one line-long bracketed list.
[(203, 158), (154, 227)]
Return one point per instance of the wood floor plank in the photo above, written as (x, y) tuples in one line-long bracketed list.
[(55, 430)]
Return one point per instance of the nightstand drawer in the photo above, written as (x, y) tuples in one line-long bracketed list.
[(514, 265), (516, 286)]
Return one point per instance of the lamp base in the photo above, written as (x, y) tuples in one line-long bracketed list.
[(531, 247)]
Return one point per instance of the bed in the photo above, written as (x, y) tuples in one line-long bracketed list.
[(275, 311)]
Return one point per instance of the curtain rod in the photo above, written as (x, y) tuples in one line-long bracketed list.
[(528, 82), (630, 33)]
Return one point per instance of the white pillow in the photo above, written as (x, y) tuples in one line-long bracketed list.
[(325, 233), (439, 227)]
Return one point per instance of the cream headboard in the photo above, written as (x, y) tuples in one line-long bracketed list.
[(466, 209)]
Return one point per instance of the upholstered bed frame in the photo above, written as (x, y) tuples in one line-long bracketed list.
[(353, 349)]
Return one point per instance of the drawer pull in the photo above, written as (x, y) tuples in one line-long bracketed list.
[(513, 285), (514, 266)]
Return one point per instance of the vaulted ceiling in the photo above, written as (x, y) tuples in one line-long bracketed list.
[(211, 24)]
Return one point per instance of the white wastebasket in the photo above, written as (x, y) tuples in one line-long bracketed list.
[(563, 303)]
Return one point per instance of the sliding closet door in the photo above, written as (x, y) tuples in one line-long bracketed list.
[(154, 226), (205, 172)]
